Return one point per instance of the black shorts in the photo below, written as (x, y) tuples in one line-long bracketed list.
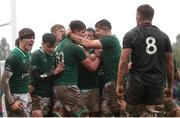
[(138, 93)]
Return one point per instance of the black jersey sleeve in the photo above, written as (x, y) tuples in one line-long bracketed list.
[(168, 47), (129, 39)]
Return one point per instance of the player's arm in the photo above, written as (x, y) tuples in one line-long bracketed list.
[(170, 73), (122, 68), (85, 42), (14, 105), (90, 64), (5, 86), (35, 72)]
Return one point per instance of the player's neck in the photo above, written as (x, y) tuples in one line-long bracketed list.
[(145, 22), (22, 48)]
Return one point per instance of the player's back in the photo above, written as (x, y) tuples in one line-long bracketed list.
[(148, 53)]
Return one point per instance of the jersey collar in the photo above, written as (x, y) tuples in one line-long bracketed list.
[(23, 53)]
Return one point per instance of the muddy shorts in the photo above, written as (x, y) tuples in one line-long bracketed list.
[(169, 106), (43, 104), (91, 99), (138, 93), (70, 97), (109, 104)]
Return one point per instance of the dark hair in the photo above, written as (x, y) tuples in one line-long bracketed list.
[(17, 42), (26, 33), (48, 37), (77, 25), (146, 11), (90, 29), (56, 27), (104, 25)]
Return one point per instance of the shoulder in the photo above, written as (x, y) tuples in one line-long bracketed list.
[(162, 33), (12, 59), (77, 47), (108, 38), (133, 32), (37, 53), (13, 55)]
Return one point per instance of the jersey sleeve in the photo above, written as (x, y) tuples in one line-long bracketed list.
[(11, 63), (107, 42), (79, 53), (129, 39), (168, 47)]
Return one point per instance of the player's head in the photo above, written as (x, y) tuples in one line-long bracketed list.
[(144, 13), (48, 43), (58, 31), (103, 27), (90, 33), (26, 33), (26, 39), (77, 27)]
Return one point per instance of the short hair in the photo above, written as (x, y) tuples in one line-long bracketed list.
[(90, 29), (26, 33), (104, 25), (146, 11), (77, 25), (48, 37), (56, 27)]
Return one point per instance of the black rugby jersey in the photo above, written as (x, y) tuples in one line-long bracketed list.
[(148, 44)]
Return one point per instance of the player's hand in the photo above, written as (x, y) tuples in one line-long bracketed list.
[(92, 56), (120, 91), (98, 52), (122, 104), (16, 106), (60, 67), (168, 92)]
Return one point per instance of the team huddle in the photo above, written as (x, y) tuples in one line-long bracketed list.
[(84, 72)]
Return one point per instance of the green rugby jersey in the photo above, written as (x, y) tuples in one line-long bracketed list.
[(110, 57), (19, 63), (42, 64), (87, 79), (73, 54)]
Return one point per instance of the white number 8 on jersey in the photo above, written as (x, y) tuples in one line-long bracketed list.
[(151, 47)]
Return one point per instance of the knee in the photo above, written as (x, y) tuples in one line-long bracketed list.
[(37, 113)]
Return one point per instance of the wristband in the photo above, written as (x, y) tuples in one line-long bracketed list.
[(12, 103)]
